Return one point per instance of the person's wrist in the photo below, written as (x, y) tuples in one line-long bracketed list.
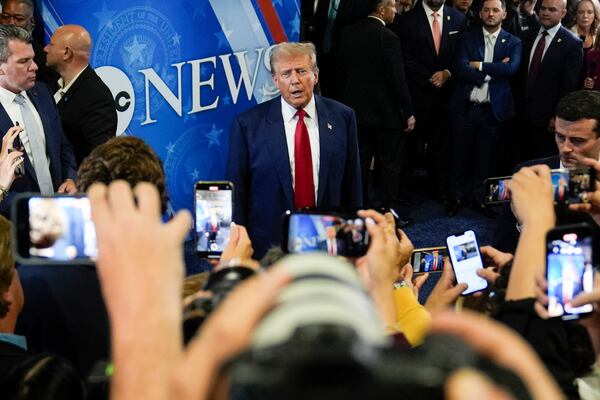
[(3, 190)]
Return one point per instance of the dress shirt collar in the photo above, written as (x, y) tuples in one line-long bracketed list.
[(429, 11), (17, 340), (378, 19), (492, 35), (61, 81), (289, 112), (551, 32), (7, 97)]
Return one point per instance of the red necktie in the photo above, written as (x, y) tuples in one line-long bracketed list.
[(304, 188), (536, 60)]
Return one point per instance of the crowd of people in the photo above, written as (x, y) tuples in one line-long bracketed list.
[(457, 84)]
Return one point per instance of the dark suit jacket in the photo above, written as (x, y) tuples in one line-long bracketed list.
[(420, 59), (64, 313), (371, 73), (259, 167), (558, 74), (88, 113), (58, 148), (10, 355), (472, 48)]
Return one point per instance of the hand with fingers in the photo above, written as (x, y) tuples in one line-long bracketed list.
[(140, 267), (407, 276), (10, 158), (445, 292), (591, 200), (239, 249), (494, 260)]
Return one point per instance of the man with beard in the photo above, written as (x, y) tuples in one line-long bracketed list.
[(482, 101)]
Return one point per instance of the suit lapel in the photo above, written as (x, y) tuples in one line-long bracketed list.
[(80, 80), (553, 49), (445, 29), (327, 132), (423, 21), (275, 136), (480, 46), (499, 46)]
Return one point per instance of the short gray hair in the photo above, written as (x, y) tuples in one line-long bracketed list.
[(287, 49), (8, 33)]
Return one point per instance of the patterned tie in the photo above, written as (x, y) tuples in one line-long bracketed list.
[(38, 150), (437, 32), (536, 60), (304, 188)]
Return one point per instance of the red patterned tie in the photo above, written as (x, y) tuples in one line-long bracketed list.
[(304, 190), (536, 61)]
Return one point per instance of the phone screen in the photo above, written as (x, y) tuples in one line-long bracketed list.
[(570, 184), (496, 191), (465, 257), (428, 259), (570, 271), (213, 216), (336, 235), (57, 229)]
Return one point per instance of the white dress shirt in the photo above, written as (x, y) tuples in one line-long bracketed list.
[(481, 94), (14, 113), (551, 33), (440, 12), (311, 121)]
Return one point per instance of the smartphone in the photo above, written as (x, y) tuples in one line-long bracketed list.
[(214, 210), (335, 234), (569, 269), (466, 259), (429, 259), (18, 145), (569, 185), (496, 191), (55, 229)]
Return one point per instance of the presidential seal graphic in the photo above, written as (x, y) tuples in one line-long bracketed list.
[(196, 155), (134, 39)]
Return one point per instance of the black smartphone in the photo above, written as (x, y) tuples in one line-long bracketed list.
[(466, 259), (428, 259), (336, 234), (214, 210), (569, 185), (496, 191), (570, 264), (56, 229)]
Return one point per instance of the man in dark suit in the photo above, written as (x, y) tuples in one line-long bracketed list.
[(577, 136), (295, 151), (21, 13), (322, 24), (482, 101), (429, 34), (49, 160), (372, 82), (551, 68), (86, 106)]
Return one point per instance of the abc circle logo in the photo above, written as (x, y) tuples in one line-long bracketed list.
[(122, 90)]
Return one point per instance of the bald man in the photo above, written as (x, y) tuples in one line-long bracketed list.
[(20, 13), (86, 106)]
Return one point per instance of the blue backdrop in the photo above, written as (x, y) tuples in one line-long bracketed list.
[(180, 70)]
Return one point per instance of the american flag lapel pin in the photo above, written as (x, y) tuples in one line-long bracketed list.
[(559, 40), (329, 126)]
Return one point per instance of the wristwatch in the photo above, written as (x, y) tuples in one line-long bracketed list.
[(400, 284)]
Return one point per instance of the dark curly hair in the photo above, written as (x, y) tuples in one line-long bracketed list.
[(7, 264), (124, 157)]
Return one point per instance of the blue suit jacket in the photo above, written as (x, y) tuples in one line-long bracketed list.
[(559, 73), (58, 148), (472, 48), (259, 167)]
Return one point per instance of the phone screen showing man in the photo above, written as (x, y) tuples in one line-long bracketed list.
[(213, 218)]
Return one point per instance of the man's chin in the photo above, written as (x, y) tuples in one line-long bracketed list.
[(569, 163)]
